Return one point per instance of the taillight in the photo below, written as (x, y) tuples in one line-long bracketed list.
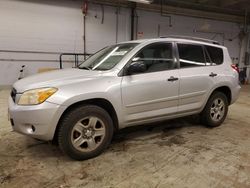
[(235, 68)]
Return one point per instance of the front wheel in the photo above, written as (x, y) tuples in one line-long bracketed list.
[(215, 110), (85, 132)]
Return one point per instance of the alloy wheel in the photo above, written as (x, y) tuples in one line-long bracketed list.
[(87, 134), (217, 109)]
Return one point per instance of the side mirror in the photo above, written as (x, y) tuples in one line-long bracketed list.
[(136, 67)]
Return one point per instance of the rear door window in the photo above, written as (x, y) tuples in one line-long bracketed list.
[(191, 55)]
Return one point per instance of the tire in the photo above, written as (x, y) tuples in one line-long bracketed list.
[(85, 132), (215, 111)]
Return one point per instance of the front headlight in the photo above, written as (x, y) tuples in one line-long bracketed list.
[(36, 96)]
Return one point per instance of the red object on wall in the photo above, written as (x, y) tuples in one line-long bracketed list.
[(140, 34), (85, 7)]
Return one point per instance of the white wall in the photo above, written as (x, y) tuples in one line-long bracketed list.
[(99, 35), (57, 26), (149, 21), (52, 26), (33, 26)]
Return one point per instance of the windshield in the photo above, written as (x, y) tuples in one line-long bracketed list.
[(108, 57)]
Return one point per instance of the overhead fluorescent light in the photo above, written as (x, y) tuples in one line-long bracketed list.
[(142, 1)]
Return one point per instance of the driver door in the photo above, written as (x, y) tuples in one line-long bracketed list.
[(153, 94)]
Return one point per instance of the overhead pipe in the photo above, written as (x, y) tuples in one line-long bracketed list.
[(29, 60), (84, 11), (84, 34), (245, 22), (202, 7), (102, 7), (29, 52), (136, 23), (159, 30), (117, 23), (225, 16), (132, 20), (164, 15)]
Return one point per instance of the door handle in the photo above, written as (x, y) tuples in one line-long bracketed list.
[(171, 79), (212, 74)]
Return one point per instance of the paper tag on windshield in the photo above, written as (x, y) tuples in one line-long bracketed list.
[(120, 53)]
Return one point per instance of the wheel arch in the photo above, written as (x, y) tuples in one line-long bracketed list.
[(205, 115), (225, 90), (101, 102)]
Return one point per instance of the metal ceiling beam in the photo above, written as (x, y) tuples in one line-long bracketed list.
[(192, 13), (211, 6), (167, 9), (203, 1), (227, 3)]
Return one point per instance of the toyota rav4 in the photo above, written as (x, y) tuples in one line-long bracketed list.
[(122, 85)]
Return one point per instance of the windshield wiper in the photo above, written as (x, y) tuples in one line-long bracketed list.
[(87, 68)]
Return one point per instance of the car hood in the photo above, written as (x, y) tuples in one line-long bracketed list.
[(55, 79)]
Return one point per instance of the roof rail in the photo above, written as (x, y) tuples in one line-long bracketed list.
[(191, 38)]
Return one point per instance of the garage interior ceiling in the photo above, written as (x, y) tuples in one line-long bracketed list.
[(225, 10), (237, 7)]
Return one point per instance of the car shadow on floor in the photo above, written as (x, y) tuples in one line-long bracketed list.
[(156, 131), (166, 128)]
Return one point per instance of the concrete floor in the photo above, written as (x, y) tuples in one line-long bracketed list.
[(179, 153)]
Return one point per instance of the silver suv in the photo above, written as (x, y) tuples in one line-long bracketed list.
[(124, 85)]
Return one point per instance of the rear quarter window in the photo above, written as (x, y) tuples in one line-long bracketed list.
[(215, 54)]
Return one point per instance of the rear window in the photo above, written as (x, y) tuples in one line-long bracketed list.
[(215, 54)]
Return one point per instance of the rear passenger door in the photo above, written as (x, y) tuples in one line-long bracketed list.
[(197, 76)]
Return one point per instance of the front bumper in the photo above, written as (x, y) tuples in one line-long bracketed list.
[(37, 121)]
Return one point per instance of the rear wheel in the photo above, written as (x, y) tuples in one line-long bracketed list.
[(85, 132), (215, 110)]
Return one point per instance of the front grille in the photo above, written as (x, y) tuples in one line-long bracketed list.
[(13, 94)]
